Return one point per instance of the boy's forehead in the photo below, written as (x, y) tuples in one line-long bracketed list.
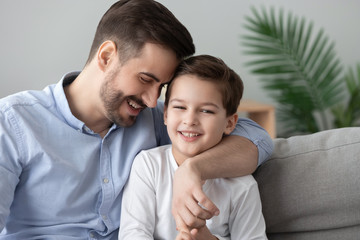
[(193, 78), (188, 83)]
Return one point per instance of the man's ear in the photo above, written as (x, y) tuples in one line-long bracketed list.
[(231, 123), (106, 53)]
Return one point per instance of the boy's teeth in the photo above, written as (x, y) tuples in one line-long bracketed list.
[(189, 134)]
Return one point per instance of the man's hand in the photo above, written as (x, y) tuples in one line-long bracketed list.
[(190, 206)]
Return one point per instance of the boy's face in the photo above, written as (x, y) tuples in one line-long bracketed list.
[(195, 117)]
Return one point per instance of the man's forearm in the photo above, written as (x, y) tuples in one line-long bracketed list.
[(234, 156)]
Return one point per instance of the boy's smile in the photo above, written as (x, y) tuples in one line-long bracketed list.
[(195, 116)]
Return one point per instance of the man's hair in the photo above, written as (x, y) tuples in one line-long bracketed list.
[(209, 68), (132, 23)]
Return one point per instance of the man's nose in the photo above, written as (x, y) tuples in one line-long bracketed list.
[(150, 96)]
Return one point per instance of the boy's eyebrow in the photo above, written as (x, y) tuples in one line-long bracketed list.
[(176, 100), (210, 104), (151, 75), (202, 104)]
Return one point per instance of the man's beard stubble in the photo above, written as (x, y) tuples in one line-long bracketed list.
[(112, 101)]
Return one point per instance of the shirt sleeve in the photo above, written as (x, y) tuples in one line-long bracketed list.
[(10, 167), (257, 135), (138, 207), (222, 238)]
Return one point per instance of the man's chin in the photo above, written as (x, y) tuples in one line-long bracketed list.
[(126, 123)]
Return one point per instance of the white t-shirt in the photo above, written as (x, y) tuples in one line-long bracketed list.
[(146, 203)]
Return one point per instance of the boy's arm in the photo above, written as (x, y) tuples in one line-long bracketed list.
[(137, 219), (234, 156), (246, 221)]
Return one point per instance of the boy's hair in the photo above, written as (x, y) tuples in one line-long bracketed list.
[(132, 23), (212, 69)]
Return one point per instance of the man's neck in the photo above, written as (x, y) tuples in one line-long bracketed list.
[(82, 96)]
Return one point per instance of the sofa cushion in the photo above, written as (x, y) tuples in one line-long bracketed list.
[(310, 188)]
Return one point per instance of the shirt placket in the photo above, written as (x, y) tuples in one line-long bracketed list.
[(106, 185)]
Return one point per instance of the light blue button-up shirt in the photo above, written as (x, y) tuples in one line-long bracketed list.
[(59, 179)]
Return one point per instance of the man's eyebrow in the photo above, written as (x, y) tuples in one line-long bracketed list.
[(151, 75)]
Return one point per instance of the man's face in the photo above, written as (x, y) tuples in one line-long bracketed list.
[(135, 85)]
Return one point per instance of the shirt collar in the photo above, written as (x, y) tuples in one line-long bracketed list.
[(62, 103)]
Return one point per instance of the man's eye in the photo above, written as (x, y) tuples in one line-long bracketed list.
[(145, 80), (179, 107)]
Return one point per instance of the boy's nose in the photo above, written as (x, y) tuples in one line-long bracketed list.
[(190, 118)]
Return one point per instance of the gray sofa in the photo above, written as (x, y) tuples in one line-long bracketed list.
[(310, 188)]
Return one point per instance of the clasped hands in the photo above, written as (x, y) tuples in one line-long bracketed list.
[(190, 206)]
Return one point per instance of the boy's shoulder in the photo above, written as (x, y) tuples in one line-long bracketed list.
[(155, 156), (244, 183), (157, 150)]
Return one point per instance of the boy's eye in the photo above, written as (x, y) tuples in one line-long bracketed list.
[(179, 107), (207, 111)]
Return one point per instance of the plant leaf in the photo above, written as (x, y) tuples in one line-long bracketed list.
[(301, 73)]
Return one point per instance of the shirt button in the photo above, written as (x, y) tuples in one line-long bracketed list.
[(104, 217), (106, 180)]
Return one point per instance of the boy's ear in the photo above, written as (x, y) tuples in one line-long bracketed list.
[(106, 52), (165, 115), (231, 123)]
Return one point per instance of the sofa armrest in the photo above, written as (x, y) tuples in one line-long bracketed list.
[(310, 188)]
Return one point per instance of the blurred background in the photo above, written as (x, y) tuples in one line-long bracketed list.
[(41, 40)]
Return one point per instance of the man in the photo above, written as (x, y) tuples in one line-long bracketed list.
[(66, 151)]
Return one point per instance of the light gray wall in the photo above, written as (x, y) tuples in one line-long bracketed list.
[(43, 39)]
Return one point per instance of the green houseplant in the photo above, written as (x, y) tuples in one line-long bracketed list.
[(301, 72)]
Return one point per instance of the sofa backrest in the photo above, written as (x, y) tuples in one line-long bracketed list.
[(310, 188)]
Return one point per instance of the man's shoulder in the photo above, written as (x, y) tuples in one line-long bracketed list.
[(26, 99), (159, 109)]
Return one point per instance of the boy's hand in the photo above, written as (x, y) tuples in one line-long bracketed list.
[(187, 195), (202, 234), (184, 235), (196, 234)]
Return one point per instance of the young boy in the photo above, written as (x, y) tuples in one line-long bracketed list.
[(200, 109)]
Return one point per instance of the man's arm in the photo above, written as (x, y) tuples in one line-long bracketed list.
[(234, 156), (10, 168)]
